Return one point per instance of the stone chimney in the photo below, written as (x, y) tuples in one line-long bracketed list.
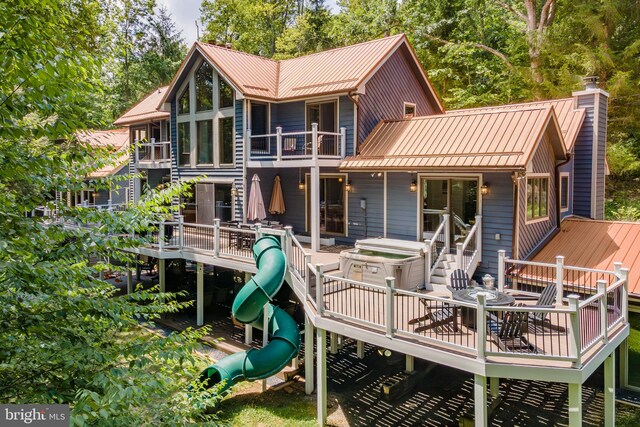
[(589, 157)]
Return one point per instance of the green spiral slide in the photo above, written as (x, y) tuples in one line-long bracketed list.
[(284, 335)]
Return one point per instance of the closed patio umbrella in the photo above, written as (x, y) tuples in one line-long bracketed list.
[(276, 206), (255, 209)]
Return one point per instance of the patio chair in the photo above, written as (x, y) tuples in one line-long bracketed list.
[(508, 332), (439, 317), (459, 280)]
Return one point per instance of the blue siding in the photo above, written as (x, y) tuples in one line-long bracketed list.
[(582, 160), (364, 186), (402, 214), (239, 117), (346, 121), (568, 167), (497, 218)]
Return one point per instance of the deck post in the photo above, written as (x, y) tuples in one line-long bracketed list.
[(559, 280), (575, 345), (265, 335), (360, 349), (610, 390), (333, 343), (307, 274), (180, 232), (314, 142), (427, 264), (480, 400), (319, 290), (129, 279), (459, 252), (494, 386), (409, 363), (501, 256), (624, 304), (315, 205), (288, 233), (308, 355), (200, 295), (216, 237), (447, 235), (247, 135), (575, 405), (343, 142), (321, 345), (481, 326), (278, 143), (137, 151), (162, 275), (389, 311), (624, 363), (478, 237), (258, 228), (602, 290), (248, 333), (161, 235)]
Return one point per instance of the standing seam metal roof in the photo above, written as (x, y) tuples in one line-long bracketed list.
[(145, 109)]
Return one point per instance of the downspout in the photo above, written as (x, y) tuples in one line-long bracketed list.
[(354, 97), (516, 217)]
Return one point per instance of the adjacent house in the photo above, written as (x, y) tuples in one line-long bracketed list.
[(363, 148)]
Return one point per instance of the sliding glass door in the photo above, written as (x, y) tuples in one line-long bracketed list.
[(332, 204), (457, 197)]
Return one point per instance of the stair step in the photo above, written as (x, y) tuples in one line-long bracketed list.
[(439, 280)]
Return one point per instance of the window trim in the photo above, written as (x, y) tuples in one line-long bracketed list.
[(324, 100), (404, 109), (568, 176), (218, 144), (546, 176), (213, 87), (213, 143)]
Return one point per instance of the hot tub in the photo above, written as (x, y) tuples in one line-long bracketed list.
[(373, 260)]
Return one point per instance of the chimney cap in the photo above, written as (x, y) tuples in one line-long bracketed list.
[(590, 82)]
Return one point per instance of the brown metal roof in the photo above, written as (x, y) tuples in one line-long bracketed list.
[(597, 244), (116, 140), (496, 139), (144, 110), (332, 71), (569, 118)]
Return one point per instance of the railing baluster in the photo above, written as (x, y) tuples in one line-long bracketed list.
[(389, 309), (481, 326), (216, 237), (559, 280)]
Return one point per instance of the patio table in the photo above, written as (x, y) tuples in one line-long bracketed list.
[(493, 298)]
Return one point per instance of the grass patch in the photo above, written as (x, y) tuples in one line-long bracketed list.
[(634, 349)]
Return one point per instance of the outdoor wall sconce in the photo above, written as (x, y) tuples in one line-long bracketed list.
[(414, 186), (301, 185), (484, 190), (234, 191), (348, 185)]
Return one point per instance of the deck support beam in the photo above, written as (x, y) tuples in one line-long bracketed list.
[(162, 281), (360, 349), (409, 363), (248, 329), (624, 363), (575, 405), (315, 208), (308, 355), (494, 386), (321, 348), (480, 398), (200, 295), (610, 390), (129, 279), (333, 342)]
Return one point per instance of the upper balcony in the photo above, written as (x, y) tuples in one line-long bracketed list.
[(153, 155), (296, 149)]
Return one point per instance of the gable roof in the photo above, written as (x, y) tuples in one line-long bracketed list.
[(144, 110), (569, 118), (338, 70), (496, 139), (596, 244), (116, 140)]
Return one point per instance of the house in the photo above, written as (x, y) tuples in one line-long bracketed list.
[(148, 128), (117, 141), (363, 149)]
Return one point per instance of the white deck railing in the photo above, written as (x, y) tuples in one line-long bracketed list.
[(153, 153), (437, 248), (469, 252), (303, 145)]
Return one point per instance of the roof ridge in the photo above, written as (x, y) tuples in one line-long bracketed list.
[(237, 51), (400, 35), (513, 105), (479, 111)]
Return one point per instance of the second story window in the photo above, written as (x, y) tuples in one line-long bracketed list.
[(537, 197), (564, 191), (204, 128), (225, 141), (184, 144), (204, 87), (225, 92), (409, 110), (183, 102)]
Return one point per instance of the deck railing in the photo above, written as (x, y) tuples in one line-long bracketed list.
[(303, 145), (562, 332), (153, 153), (469, 252), (437, 248)]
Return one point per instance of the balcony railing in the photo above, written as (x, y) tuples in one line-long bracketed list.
[(153, 154), (304, 145)]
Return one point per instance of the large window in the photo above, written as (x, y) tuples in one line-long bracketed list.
[(225, 142), (537, 197), (183, 102), (204, 129), (332, 204), (564, 191), (184, 144), (225, 92), (324, 114), (204, 87)]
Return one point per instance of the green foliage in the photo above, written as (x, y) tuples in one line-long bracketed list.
[(622, 161)]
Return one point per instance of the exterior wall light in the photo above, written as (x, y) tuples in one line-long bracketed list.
[(348, 186), (234, 191), (301, 185), (484, 190), (414, 186)]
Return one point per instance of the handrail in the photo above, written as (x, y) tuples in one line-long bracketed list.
[(432, 260), (468, 253), (149, 154)]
